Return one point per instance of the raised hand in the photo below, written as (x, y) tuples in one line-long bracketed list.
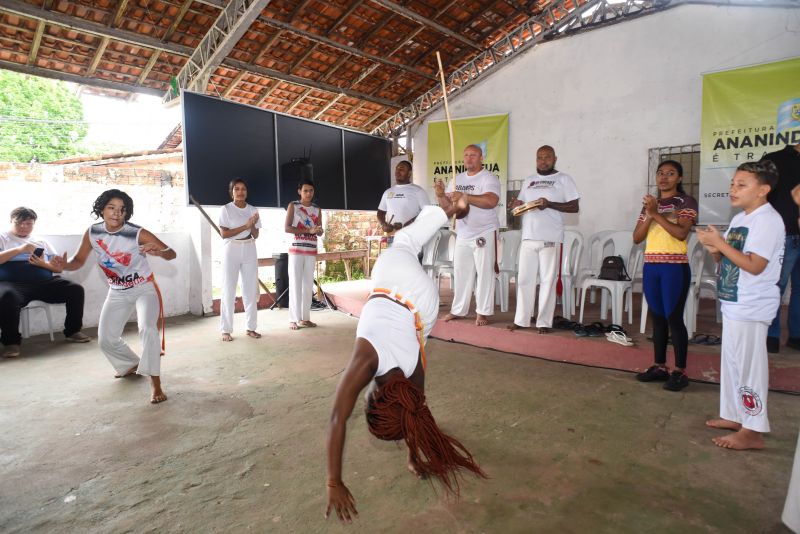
[(650, 205), (439, 188), (149, 248)]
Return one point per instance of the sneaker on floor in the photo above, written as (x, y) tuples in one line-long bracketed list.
[(773, 345), (654, 374), (79, 337), (677, 381), (11, 351), (793, 343)]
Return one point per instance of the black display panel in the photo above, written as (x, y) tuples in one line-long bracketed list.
[(307, 147), (223, 140), (367, 166)]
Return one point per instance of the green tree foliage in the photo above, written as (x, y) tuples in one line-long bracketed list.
[(40, 119)]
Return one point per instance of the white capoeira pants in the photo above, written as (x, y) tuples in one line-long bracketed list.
[(791, 508), (471, 263), (744, 374), (536, 261), (117, 309), (239, 257), (301, 286)]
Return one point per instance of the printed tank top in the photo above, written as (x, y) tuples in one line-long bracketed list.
[(118, 255), (305, 217)]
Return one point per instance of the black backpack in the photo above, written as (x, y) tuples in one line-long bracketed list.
[(613, 268)]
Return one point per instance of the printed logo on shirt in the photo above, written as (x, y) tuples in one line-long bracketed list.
[(541, 184), (465, 187), (751, 402), (728, 283), (392, 194), (126, 281)]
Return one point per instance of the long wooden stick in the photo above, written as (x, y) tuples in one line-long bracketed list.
[(449, 126), (215, 227)]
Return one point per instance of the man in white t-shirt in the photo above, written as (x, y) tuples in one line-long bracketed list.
[(554, 193), (401, 203), (476, 238), (28, 269)]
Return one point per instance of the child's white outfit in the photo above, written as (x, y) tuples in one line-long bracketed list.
[(749, 303), (302, 261), (239, 256)]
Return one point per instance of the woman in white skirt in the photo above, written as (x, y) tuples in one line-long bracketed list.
[(239, 224), (304, 222), (122, 249)]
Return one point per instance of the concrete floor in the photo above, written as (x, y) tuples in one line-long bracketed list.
[(240, 444)]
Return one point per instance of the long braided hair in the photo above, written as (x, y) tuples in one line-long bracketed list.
[(397, 410)]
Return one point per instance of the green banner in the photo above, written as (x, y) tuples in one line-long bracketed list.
[(489, 132), (747, 113)]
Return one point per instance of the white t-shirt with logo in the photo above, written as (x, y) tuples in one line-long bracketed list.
[(403, 202), (478, 220), (753, 297), (232, 216), (547, 224)]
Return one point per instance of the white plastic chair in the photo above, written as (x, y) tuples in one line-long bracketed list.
[(571, 251), (594, 249), (618, 289), (508, 262), (429, 253), (24, 317), (610, 243), (443, 265)]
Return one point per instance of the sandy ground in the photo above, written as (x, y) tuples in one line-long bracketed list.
[(239, 446)]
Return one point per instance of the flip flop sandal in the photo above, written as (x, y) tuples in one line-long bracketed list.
[(614, 328), (563, 324), (699, 339), (599, 326), (619, 338), (712, 340)]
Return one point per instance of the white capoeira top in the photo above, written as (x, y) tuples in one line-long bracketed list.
[(232, 216), (389, 327), (305, 217), (118, 255)]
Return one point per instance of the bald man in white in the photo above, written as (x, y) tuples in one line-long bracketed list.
[(475, 256)]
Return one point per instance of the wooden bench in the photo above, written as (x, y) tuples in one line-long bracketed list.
[(340, 255)]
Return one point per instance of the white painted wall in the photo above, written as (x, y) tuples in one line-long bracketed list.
[(173, 277), (604, 97)]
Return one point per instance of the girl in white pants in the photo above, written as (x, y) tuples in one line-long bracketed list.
[(304, 222), (122, 249), (239, 225)]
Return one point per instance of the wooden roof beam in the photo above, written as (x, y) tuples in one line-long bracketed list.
[(416, 17), (178, 18), (234, 83), (150, 64), (343, 118), (298, 100), (123, 4), (98, 56), (37, 41)]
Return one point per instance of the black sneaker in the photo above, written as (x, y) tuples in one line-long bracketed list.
[(677, 381), (793, 343), (773, 345), (654, 374)]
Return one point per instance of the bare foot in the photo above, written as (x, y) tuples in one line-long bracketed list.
[(308, 324), (513, 326), (227, 337), (481, 320), (157, 395), (723, 424), (253, 334), (543, 330), (129, 372), (451, 317), (742, 440), (293, 326)]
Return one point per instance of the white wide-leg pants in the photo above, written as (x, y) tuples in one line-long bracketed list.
[(117, 309), (471, 262), (536, 261), (791, 508), (301, 286), (239, 257), (744, 374)]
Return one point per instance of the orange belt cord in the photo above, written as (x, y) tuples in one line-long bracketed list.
[(420, 328), (160, 315)]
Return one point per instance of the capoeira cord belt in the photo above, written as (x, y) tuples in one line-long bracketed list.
[(152, 278), (392, 294)]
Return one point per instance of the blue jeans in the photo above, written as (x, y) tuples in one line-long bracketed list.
[(790, 268)]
